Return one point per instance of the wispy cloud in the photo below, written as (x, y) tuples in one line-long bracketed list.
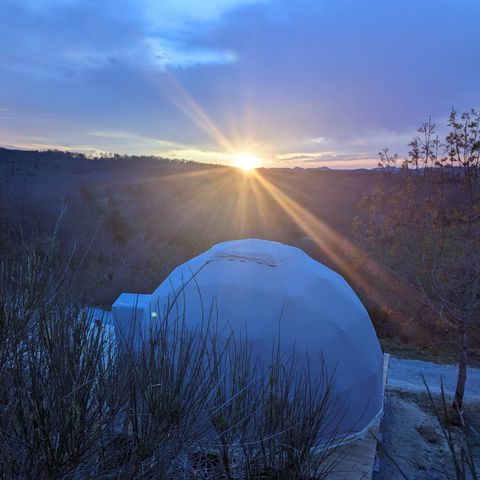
[(301, 81), (121, 135), (74, 35), (319, 140), (168, 53), (315, 157)]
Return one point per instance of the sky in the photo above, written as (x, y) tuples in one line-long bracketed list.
[(297, 83)]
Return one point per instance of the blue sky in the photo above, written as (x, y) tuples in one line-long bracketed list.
[(304, 82)]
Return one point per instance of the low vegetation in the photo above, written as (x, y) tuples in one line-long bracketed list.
[(186, 405)]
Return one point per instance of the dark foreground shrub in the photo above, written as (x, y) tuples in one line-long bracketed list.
[(185, 405)]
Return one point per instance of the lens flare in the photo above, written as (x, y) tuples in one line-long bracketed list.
[(246, 161)]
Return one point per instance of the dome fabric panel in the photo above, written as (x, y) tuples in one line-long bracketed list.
[(261, 288)]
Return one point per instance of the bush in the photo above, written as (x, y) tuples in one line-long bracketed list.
[(185, 404)]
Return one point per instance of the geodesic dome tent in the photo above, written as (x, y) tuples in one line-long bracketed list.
[(260, 288)]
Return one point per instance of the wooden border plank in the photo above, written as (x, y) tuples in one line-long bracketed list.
[(358, 457)]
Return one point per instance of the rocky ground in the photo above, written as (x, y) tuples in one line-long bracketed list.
[(411, 436)]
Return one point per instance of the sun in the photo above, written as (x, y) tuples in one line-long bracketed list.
[(246, 161)]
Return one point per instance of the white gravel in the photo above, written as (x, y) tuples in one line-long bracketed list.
[(406, 375)]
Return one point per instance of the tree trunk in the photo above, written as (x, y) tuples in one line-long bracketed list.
[(462, 371)]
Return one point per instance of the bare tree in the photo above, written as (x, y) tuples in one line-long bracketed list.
[(425, 225), (387, 162)]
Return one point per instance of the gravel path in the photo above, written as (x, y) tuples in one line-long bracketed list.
[(406, 375)]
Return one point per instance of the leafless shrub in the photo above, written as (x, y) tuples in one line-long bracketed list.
[(457, 438), (185, 404), (167, 390), (58, 382), (272, 419)]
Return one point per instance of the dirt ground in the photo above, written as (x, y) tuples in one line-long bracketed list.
[(412, 436)]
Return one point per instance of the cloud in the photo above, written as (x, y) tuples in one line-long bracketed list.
[(181, 15), (316, 157), (166, 53), (279, 76), (319, 140), (77, 35)]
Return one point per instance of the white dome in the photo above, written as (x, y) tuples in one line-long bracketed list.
[(263, 287)]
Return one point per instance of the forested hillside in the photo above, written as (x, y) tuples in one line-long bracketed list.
[(125, 222)]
